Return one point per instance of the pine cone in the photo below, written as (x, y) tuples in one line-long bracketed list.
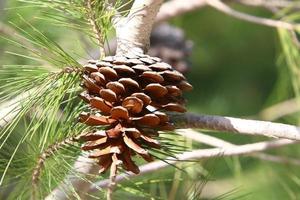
[(170, 44), (127, 95)]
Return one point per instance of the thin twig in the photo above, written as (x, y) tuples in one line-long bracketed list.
[(41, 162), (197, 155), (6, 29), (280, 110), (96, 29), (257, 20)]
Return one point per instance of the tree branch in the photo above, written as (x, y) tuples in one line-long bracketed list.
[(133, 31), (174, 8), (281, 109), (237, 125), (257, 20), (197, 155), (271, 3)]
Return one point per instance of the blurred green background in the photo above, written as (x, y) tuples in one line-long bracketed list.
[(238, 69)]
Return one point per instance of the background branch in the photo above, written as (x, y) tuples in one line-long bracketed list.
[(174, 8), (271, 3), (257, 20), (79, 181), (216, 142), (281, 109), (197, 155)]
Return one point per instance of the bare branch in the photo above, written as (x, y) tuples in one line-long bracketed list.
[(197, 155), (236, 125), (280, 110), (257, 20), (133, 32), (216, 142), (174, 8), (271, 3)]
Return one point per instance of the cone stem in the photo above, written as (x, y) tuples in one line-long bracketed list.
[(112, 178)]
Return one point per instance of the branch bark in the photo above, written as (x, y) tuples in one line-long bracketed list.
[(237, 125)]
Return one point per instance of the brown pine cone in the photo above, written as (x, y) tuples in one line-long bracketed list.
[(128, 95)]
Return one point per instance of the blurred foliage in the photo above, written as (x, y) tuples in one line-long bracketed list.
[(238, 69)]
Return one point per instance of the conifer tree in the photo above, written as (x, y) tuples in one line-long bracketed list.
[(74, 127)]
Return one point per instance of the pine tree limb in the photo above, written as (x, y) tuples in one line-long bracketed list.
[(237, 125), (133, 31)]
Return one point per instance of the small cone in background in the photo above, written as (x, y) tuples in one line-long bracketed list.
[(171, 45), (129, 96)]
